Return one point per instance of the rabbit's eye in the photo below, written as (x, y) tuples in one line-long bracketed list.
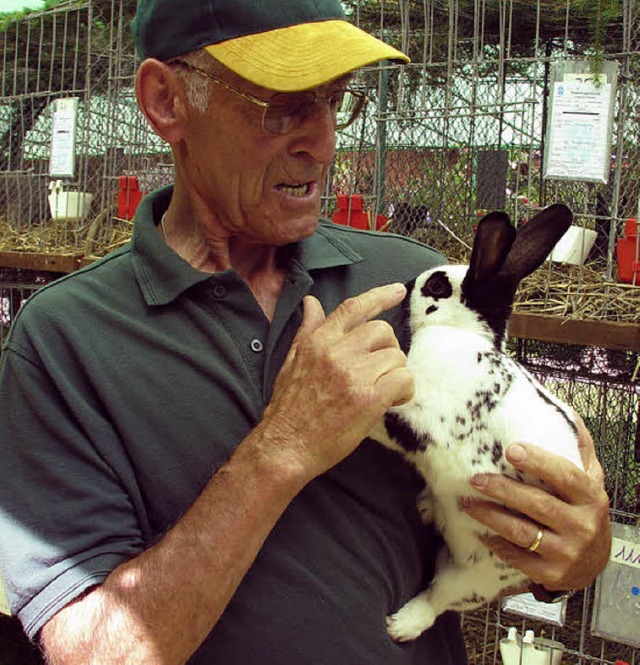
[(437, 286)]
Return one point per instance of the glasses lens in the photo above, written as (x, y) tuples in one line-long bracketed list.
[(348, 105), (287, 111)]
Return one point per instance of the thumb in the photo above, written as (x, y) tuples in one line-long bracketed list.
[(312, 318)]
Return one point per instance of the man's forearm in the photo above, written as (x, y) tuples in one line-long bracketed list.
[(160, 606)]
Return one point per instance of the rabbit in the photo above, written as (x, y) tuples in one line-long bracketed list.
[(471, 401)]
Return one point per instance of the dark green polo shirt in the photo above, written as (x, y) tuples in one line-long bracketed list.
[(127, 384)]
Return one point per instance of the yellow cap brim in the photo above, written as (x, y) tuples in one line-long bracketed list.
[(302, 56)]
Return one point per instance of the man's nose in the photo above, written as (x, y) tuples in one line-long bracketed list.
[(317, 134)]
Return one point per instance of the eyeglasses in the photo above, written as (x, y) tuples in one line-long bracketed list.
[(285, 111)]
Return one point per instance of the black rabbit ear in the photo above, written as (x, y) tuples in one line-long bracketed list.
[(535, 240), (493, 241)]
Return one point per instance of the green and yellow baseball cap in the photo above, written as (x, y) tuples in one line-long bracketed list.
[(283, 45)]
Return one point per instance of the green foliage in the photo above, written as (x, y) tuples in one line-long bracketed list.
[(593, 26), (600, 14)]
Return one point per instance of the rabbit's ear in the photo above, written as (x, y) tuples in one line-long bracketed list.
[(535, 240), (493, 241), (501, 258)]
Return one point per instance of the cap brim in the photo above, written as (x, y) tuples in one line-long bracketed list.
[(302, 56)]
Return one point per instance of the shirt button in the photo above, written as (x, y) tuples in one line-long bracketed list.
[(219, 291), (256, 345)]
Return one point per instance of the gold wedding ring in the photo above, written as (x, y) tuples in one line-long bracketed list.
[(536, 541)]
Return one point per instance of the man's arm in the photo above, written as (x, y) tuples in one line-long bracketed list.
[(339, 377), (576, 538)]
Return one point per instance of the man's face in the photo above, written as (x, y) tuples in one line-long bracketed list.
[(263, 187)]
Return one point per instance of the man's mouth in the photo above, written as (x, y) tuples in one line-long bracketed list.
[(294, 190)]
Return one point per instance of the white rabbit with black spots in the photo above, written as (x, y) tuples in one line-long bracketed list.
[(471, 401)]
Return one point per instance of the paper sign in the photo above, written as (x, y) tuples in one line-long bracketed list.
[(616, 606), (63, 138), (526, 605), (625, 552), (579, 145)]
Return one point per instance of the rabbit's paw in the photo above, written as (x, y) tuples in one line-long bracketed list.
[(411, 620)]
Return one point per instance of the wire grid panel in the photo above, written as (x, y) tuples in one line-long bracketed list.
[(15, 287), (43, 58), (463, 129), (82, 49), (459, 131)]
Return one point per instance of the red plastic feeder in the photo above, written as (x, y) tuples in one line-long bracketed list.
[(350, 213), (628, 253), (129, 196)]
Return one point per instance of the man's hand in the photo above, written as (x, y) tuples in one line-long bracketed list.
[(340, 376), (576, 535)]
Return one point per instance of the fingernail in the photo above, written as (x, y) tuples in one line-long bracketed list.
[(480, 480), (516, 453)]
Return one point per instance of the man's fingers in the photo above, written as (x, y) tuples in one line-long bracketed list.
[(355, 311), (567, 480), (399, 383)]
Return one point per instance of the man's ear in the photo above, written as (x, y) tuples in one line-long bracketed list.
[(161, 98)]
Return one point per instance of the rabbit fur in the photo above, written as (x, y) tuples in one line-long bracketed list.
[(471, 401)]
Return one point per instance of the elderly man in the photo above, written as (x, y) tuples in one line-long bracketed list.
[(183, 471)]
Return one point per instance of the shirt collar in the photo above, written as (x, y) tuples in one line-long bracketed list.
[(163, 275)]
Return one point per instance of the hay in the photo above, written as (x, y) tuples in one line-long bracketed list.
[(578, 292), (66, 238), (556, 289)]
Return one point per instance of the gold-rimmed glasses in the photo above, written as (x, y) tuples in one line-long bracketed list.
[(285, 111)]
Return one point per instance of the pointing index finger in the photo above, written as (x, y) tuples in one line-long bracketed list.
[(357, 310)]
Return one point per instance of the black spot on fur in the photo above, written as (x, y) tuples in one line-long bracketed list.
[(431, 309), (496, 452), (471, 599), (474, 557), (399, 430), (437, 286)]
